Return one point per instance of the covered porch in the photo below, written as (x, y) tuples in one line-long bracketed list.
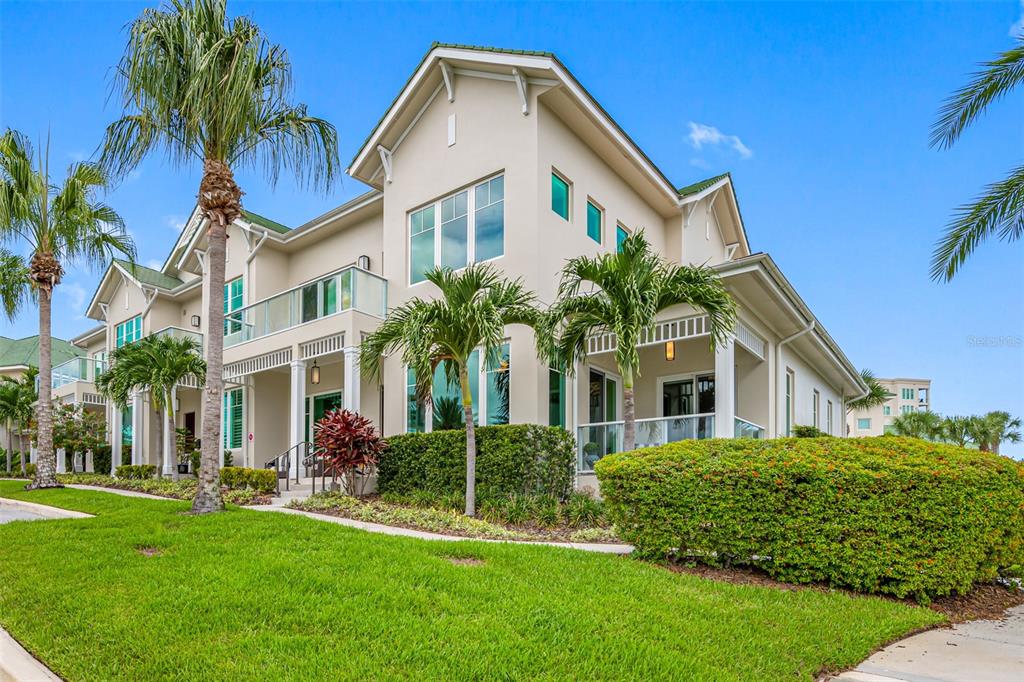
[(684, 389)]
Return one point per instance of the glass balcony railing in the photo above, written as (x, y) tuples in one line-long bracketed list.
[(594, 441), (745, 429), (179, 333), (77, 369), (349, 289)]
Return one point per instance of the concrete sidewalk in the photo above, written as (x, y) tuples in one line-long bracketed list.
[(978, 651)]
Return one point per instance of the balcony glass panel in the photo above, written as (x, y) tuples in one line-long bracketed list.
[(594, 441), (348, 289), (76, 369), (745, 429)]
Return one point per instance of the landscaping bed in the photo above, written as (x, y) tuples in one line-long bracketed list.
[(444, 515), (184, 489), (237, 595)]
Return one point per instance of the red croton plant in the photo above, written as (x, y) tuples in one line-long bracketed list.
[(349, 444)]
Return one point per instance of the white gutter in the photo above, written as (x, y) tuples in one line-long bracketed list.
[(778, 367)]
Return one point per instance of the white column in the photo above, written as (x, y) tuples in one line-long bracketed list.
[(352, 380), (138, 436), (725, 389), (61, 461), (115, 442), (297, 422), (89, 466)]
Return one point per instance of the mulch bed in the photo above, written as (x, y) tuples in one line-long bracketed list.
[(988, 602)]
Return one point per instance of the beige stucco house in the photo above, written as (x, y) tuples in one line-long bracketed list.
[(484, 155), (905, 395)]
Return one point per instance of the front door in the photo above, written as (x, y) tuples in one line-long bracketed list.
[(322, 404), (705, 404), (677, 401)]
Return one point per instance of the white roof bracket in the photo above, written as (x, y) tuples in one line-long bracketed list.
[(103, 309), (521, 87), (707, 215), (449, 79), (730, 250), (385, 161)]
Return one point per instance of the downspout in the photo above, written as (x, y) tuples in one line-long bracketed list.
[(778, 367)]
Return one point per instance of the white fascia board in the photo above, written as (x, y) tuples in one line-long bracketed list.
[(694, 198), (94, 301), (334, 214)]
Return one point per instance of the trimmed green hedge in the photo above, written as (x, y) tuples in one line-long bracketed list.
[(511, 459), (891, 515), (136, 471), (239, 478)]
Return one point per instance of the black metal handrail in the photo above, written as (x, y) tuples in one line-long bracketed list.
[(282, 464)]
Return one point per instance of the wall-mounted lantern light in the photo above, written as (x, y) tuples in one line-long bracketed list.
[(314, 374), (363, 262), (670, 350), (195, 321)]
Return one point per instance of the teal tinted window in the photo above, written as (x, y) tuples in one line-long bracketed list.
[(559, 196), (498, 375), (128, 331), (421, 244), (448, 396), (415, 414), (556, 398), (232, 418), (490, 219), (594, 220), (620, 236), (863, 424), (233, 295)]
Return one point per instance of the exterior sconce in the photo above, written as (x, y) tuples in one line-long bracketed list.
[(195, 321), (670, 350), (314, 374), (363, 262)]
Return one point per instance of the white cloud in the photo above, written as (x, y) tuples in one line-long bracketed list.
[(1017, 28), (75, 295), (701, 135), (174, 222)]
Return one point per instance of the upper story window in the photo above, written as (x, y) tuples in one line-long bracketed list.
[(471, 229), (907, 393), (128, 331), (560, 195), (620, 236), (233, 294), (886, 411), (595, 221)]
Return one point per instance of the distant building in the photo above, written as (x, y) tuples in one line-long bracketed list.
[(905, 395)]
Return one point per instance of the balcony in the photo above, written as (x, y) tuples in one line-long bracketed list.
[(351, 288), (594, 441), (77, 369), (179, 333)]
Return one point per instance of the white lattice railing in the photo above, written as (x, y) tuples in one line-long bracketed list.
[(260, 363), (328, 344), (746, 337), (93, 399), (670, 330)]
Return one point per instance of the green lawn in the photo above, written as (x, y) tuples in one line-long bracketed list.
[(255, 595)]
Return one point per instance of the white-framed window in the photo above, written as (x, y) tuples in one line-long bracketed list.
[(561, 195), (444, 409), (886, 410), (128, 331), (905, 409), (828, 417), (595, 221), (816, 409), (863, 424), (621, 233), (465, 227)]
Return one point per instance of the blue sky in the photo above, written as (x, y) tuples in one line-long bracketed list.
[(821, 112)]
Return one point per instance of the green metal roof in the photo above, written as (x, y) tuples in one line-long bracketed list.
[(25, 352), (698, 187), (149, 275), (263, 221), (490, 48)]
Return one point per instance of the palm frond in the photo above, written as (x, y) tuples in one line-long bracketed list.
[(993, 82), (15, 289), (998, 211), (876, 395)]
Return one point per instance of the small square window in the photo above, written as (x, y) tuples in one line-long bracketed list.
[(559, 196), (595, 221), (863, 424)]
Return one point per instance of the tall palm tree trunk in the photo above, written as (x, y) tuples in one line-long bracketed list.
[(24, 453), (628, 412), (46, 464), (10, 446), (467, 409), (207, 497), (171, 450)]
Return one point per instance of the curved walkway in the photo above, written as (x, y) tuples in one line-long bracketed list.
[(603, 548)]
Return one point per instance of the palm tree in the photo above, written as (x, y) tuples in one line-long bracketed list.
[(926, 425), (999, 210), (58, 225), (155, 364), (958, 430), (8, 415), (627, 292), (991, 429), (475, 306), (207, 88), (876, 395), (26, 397)]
